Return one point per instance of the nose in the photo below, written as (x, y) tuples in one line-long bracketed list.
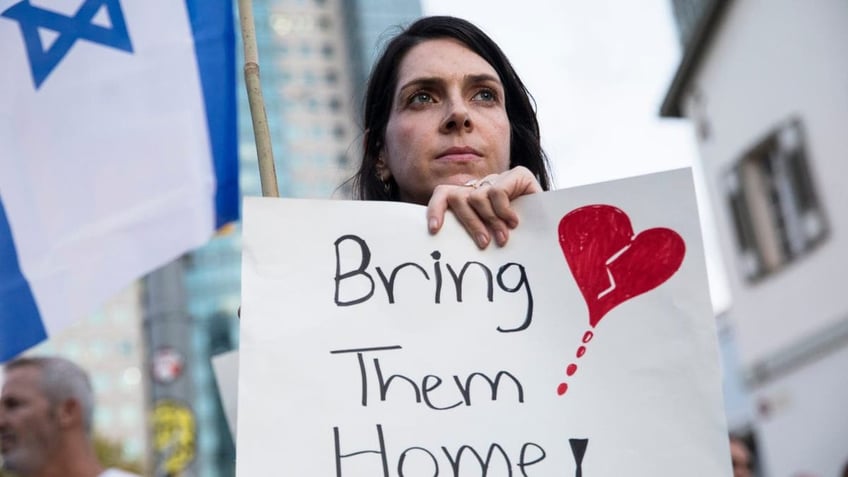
[(458, 118)]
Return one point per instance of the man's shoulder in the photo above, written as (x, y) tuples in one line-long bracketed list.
[(116, 473)]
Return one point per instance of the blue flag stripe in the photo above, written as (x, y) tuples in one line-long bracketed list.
[(20, 321), (214, 43)]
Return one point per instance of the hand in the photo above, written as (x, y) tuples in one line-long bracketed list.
[(483, 207)]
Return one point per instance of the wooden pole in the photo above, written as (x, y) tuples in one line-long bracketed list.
[(261, 134)]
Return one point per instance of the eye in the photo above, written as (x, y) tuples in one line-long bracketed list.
[(420, 97), (485, 94), (9, 403)]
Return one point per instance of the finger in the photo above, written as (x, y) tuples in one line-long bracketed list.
[(501, 205), (458, 201), (519, 181), (510, 185), (436, 208), (500, 190), (482, 203)]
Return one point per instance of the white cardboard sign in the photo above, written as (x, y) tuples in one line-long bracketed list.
[(586, 346)]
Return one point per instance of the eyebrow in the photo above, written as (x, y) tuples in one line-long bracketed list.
[(437, 81)]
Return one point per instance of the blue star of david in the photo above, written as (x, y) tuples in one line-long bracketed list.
[(70, 29)]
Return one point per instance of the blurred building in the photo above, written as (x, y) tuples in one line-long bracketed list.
[(764, 84), (314, 57)]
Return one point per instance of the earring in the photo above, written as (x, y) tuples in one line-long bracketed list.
[(387, 186), (387, 181)]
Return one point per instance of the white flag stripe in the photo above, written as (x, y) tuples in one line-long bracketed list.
[(106, 167)]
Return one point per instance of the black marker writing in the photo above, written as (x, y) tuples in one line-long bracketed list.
[(578, 450), (424, 391), (362, 285), (420, 459)]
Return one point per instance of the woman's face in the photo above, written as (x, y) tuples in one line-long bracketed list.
[(448, 122)]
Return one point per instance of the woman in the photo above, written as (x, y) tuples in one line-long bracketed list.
[(448, 123)]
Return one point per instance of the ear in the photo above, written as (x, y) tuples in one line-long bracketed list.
[(69, 413)]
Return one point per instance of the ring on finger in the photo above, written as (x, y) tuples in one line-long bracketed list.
[(473, 183), (482, 183)]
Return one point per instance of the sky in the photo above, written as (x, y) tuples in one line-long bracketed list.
[(598, 70)]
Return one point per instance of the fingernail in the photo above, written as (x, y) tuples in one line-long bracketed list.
[(434, 224), (482, 240), (500, 237)]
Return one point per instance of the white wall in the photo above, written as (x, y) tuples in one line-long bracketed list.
[(769, 61), (805, 431)]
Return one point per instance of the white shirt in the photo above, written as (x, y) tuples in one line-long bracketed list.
[(116, 473)]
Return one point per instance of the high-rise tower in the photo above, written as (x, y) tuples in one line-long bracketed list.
[(314, 57)]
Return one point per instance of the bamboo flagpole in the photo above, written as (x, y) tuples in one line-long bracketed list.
[(261, 133)]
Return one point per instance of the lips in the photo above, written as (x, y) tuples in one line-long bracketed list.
[(459, 153), (6, 442), (7, 438)]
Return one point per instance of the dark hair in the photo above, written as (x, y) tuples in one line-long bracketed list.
[(525, 146)]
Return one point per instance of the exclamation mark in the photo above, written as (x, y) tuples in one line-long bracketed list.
[(578, 449)]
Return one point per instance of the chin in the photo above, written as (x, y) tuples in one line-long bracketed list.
[(17, 463), (462, 179)]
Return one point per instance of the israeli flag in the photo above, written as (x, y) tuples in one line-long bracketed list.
[(117, 149)]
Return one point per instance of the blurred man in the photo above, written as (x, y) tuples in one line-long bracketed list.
[(740, 457), (46, 410)]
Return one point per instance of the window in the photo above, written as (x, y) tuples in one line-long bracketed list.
[(773, 203), (335, 104), (324, 21), (331, 76)]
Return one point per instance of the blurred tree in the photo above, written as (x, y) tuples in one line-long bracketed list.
[(111, 454)]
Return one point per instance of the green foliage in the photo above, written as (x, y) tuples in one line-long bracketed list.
[(111, 454)]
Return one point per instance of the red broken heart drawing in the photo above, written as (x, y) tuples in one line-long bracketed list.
[(609, 263)]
